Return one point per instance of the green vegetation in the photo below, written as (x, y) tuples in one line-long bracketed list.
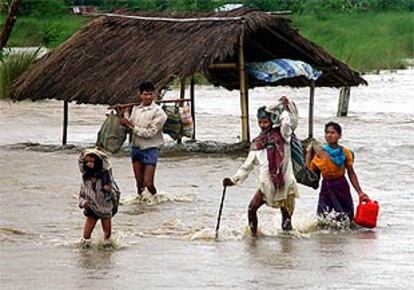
[(11, 66), (296, 6), (367, 34), (42, 7), (49, 31), (365, 41)]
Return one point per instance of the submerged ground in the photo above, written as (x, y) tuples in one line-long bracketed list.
[(170, 244)]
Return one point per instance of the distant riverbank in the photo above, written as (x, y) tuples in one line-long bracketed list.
[(366, 41)]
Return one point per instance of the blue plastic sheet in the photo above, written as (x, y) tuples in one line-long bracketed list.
[(277, 69)]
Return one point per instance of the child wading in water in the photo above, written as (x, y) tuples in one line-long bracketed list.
[(272, 153), (99, 194), (331, 162)]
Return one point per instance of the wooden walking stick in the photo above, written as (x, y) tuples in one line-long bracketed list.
[(220, 211)]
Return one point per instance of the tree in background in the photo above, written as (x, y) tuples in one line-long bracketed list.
[(8, 26)]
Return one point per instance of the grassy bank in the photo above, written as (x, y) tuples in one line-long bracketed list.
[(11, 67), (47, 31), (365, 41)]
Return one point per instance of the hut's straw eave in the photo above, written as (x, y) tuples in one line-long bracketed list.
[(105, 61)]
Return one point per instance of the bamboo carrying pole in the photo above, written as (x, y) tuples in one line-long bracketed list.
[(65, 122), (166, 19), (311, 102), (182, 95), (192, 106), (123, 106), (244, 98)]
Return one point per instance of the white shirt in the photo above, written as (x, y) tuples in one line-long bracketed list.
[(259, 157), (148, 122)]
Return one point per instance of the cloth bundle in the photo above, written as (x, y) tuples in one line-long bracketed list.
[(179, 122), (173, 124), (112, 134), (302, 174), (277, 109), (186, 121), (277, 69)]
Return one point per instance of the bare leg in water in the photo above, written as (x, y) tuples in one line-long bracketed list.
[(139, 176), (149, 173), (256, 202), (90, 223), (106, 227), (286, 220)]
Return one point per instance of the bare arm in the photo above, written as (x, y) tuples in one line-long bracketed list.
[(126, 118), (355, 183), (310, 153), (243, 172)]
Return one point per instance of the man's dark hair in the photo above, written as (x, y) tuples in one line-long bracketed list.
[(334, 125), (146, 86)]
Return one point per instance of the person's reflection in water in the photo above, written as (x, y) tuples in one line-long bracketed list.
[(333, 244), (286, 245), (279, 253), (96, 265), (367, 235)]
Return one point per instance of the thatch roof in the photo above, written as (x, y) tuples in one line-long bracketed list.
[(106, 60)]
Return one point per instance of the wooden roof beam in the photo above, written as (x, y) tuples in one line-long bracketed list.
[(166, 19), (222, 66)]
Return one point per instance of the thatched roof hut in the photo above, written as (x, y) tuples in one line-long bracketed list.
[(105, 61)]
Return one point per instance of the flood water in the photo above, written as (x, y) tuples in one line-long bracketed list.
[(170, 244)]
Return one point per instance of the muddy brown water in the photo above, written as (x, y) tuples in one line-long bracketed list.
[(170, 244)]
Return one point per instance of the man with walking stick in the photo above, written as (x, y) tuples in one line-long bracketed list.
[(272, 153)]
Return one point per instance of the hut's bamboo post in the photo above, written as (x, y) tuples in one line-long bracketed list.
[(65, 122), (311, 102), (192, 106), (182, 89), (343, 102), (182, 95), (244, 98)]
